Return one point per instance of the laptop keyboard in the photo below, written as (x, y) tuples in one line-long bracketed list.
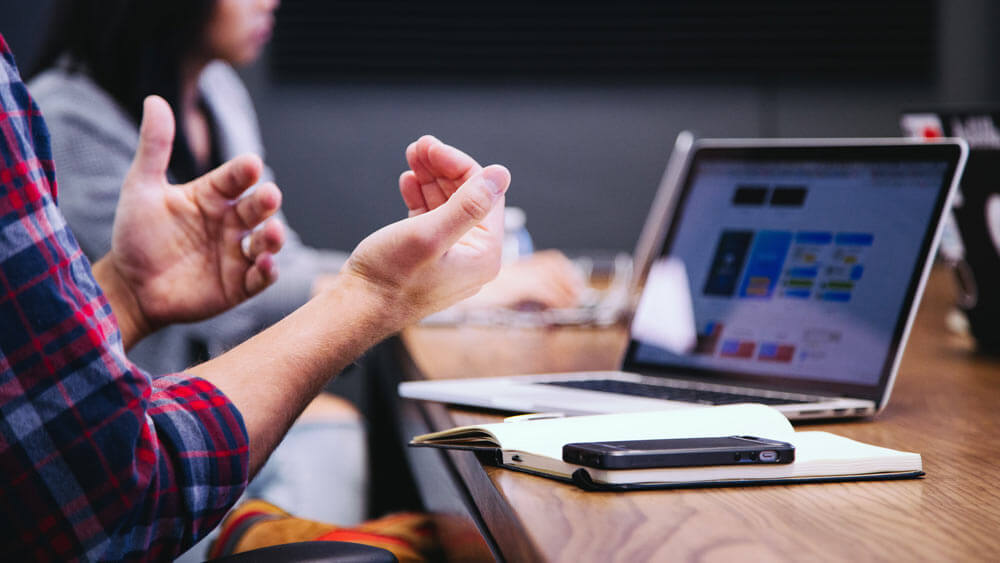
[(670, 393)]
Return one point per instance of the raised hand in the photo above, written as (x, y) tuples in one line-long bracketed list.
[(176, 249), (436, 172), (448, 247), (547, 279)]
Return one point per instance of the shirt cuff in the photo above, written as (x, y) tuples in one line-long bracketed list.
[(204, 430)]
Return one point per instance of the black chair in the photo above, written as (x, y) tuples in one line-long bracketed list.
[(313, 552)]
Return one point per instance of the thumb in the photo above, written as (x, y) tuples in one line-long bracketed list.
[(470, 205), (156, 139)]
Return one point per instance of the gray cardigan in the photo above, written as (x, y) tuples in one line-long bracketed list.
[(93, 142)]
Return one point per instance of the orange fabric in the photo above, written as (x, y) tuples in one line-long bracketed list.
[(360, 537), (255, 524)]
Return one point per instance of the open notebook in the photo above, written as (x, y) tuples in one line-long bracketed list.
[(535, 446)]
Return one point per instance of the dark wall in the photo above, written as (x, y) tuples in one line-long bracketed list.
[(22, 25), (585, 159)]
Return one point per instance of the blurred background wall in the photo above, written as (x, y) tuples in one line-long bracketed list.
[(586, 143)]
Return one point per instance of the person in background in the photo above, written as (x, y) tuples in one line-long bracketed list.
[(104, 462), (103, 57)]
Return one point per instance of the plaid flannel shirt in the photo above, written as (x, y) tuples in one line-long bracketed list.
[(97, 459)]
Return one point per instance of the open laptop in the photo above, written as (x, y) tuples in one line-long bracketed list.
[(805, 261)]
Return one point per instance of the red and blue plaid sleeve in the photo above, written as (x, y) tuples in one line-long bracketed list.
[(97, 460)]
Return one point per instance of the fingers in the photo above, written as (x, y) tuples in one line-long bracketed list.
[(448, 162), (439, 169), (264, 243), (433, 194), (257, 206), (471, 205), (562, 273), (413, 197), (559, 295), (416, 158), (548, 295), (546, 279), (266, 240), (261, 274), (231, 179), (156, 139)]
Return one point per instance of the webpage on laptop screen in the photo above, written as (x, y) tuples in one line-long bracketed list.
[(799, 269)]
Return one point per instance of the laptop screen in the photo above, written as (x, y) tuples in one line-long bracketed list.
[(802, 263)]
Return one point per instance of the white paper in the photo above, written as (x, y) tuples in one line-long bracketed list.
[(665, 316)]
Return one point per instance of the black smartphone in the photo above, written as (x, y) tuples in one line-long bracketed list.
[(678, 452)]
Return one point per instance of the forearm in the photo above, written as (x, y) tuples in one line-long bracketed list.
[(273, 376), (131, 321)]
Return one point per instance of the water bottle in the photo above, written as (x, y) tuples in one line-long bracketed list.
[(516, 241)]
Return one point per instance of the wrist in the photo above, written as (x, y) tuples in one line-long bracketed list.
[(375, 308), (132, 322)]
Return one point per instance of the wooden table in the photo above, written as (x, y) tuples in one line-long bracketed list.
[(946, 405)]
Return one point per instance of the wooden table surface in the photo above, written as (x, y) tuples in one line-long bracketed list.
[(945, 405)]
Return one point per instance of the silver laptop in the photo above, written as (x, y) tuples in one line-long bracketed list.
[(805, 261)]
